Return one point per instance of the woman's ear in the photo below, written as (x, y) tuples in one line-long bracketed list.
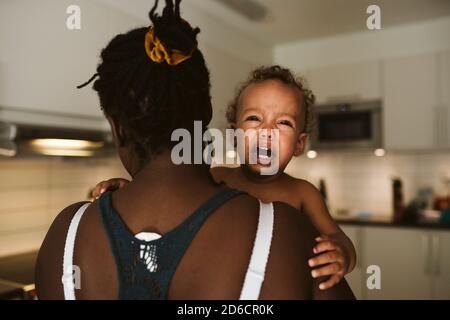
[(117, 131), (300, 144)]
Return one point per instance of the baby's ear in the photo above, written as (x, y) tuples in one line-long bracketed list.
[(300, 144)]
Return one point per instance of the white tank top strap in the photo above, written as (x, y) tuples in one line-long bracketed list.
[(260, 255), (68, 267)]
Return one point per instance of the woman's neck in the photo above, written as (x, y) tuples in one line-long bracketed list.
[(161, 169)]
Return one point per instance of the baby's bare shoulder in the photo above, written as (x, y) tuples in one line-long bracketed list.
[(302, 189), (299, 192), (300, 184)]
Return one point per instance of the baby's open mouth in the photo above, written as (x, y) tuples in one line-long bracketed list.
[(263, 155), (264, 152)]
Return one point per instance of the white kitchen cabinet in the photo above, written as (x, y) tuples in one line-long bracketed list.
[(42, 61), (441, 265), (411, 106), (414, 263), (355, 278), (344, 83), (404, 258)]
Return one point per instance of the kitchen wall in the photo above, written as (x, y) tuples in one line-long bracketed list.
[(34, 191), (361, 182)]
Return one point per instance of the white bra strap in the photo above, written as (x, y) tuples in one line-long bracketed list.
[(261, 249), (68, 268)]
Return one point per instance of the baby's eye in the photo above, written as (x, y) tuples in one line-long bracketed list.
[(252, 118), (286, 123)]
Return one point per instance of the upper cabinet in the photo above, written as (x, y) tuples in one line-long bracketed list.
[(42, 61), (343, 83), (415, 91), (411, 102)]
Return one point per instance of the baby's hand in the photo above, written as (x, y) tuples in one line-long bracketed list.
[(111, 184), (332, 261)]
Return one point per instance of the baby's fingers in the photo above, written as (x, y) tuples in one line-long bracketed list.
[(325, 245), (120, 183), (111, 184), (325, 258), (99, 189), (329, 269), (322, 238), (331, 282)]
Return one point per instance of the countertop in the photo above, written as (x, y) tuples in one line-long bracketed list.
[(388, 223)]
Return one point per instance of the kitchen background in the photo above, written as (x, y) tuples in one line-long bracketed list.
[(405, 65)]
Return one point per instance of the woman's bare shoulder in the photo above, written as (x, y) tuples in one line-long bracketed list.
[(49, 264), (288, 274)]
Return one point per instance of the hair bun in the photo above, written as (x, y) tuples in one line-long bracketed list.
[(173, 31)]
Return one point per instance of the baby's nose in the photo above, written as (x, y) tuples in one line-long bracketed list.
[(265, 133), (265, 138)]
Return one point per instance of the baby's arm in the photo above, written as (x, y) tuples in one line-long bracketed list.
[(338, 253)]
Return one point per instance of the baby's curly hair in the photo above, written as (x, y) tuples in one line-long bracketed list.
[(284, 75)]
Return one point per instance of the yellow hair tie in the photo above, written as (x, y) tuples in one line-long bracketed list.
[(158, 53)]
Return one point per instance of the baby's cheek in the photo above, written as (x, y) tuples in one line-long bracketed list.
[(284, 158), (286, 148)]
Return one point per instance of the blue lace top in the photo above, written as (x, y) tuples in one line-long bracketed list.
[(145, 268)]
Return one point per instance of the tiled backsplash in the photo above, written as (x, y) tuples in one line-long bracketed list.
[(362, 182), (34, 191)]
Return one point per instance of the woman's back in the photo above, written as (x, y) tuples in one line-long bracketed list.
[(215, 262)]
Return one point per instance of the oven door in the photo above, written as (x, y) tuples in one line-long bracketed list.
[(348, 126)]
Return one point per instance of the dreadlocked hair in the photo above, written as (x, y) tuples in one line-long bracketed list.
[(149, 100)]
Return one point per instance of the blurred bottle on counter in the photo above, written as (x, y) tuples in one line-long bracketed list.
[(420, 205), (397, 196), (442, 201)]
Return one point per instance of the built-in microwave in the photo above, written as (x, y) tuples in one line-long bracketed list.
[(348, 126)]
